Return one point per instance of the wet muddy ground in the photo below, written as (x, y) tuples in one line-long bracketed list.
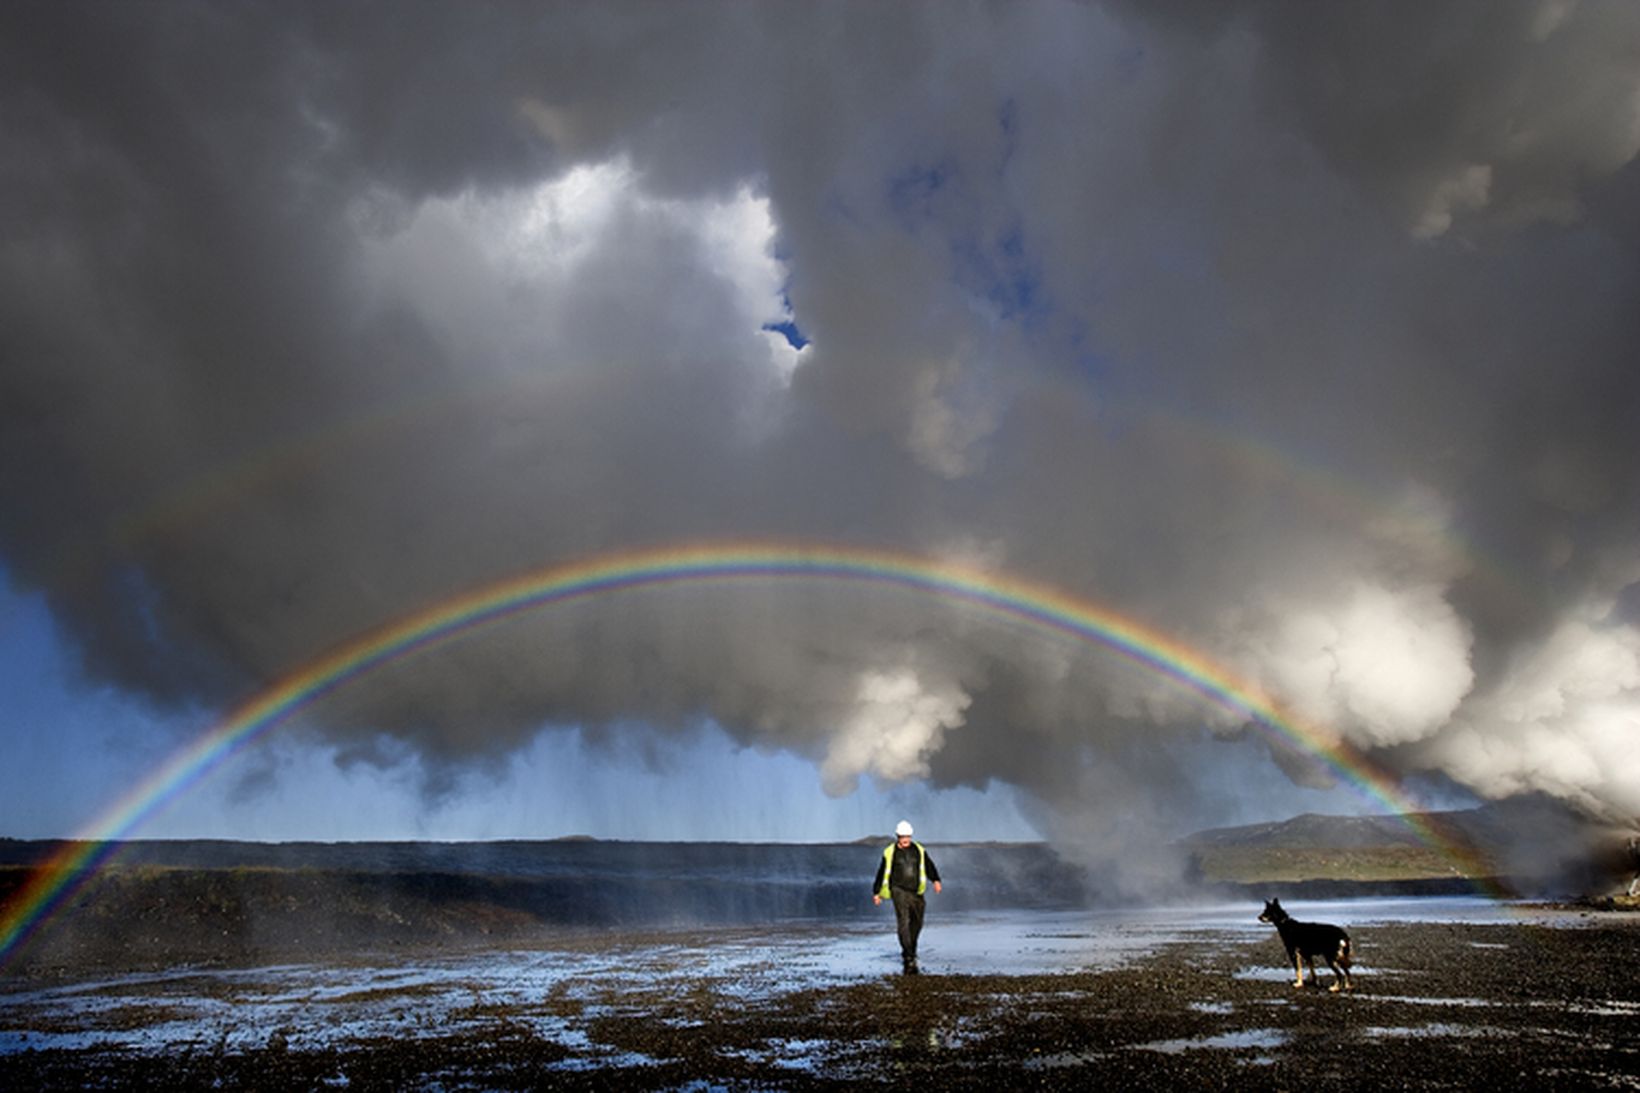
[(1460, 997)]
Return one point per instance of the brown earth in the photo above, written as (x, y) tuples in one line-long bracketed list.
[(1436, 1006)]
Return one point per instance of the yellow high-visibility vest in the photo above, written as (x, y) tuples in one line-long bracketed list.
[(888, 868)]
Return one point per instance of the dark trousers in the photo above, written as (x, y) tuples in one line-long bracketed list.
[(908, 916)]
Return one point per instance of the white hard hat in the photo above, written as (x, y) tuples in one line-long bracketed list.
[(903, 827)]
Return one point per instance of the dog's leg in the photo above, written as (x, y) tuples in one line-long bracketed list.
[(1338, 976), (1298, 969), (1315, 979)]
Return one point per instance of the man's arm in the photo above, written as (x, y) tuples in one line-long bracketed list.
[(877, 882), (933, 870)]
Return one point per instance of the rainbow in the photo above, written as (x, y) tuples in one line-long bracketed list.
[(1034, 604)]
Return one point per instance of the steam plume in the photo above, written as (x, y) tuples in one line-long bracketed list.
[(306, 323)]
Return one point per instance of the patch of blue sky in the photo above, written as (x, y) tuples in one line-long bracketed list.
[(789, 329), (70, 748), (632, 784)]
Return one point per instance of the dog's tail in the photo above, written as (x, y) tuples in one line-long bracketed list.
[(1344, 951)]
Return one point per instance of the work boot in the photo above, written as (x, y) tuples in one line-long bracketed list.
[(911, 966)]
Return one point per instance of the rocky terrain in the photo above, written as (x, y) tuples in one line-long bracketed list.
[(237, 966), (1436, 1006)]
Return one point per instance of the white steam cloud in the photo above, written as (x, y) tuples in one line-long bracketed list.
[(1306, 340), (1382, 666), (896, 725), (1564, 721)]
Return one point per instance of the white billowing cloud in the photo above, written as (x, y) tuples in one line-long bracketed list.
[(739, 236), (520, 300), (559, 221), (898, 722), (477, 262), (1564, 722), (546, 286), (1380, 665)]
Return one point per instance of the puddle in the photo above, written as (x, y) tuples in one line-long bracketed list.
[(1607, 1009), (805, 1056), (1438, 1030), (553, 993), (1225, 1041), (1279, 973), (1066, 1059), (1246, 1040)]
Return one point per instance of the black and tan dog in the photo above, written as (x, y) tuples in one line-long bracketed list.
[(1307, 940)]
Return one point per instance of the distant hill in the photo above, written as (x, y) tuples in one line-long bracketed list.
[(165, 902), (1529, 845), (180, 900), (1310, 830)]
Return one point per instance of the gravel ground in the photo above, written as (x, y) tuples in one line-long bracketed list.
[(1437, 1005)]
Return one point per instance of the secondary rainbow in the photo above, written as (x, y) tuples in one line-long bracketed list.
[(1029, 602)]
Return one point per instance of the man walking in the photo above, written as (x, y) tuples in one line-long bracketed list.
[(902, 876)]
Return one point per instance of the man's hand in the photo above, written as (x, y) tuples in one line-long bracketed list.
[(878, 900), (936, 886)]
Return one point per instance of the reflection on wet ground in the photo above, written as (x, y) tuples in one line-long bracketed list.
[(1184, 983), (311, 1006), (1434, 1029), (1247, 1038)]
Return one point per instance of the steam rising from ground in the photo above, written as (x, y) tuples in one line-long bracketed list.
[(1303, 334)]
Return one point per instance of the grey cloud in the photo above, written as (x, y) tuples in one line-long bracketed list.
[(1299, 333)]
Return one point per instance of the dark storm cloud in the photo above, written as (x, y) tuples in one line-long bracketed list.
[(1300, 332)]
